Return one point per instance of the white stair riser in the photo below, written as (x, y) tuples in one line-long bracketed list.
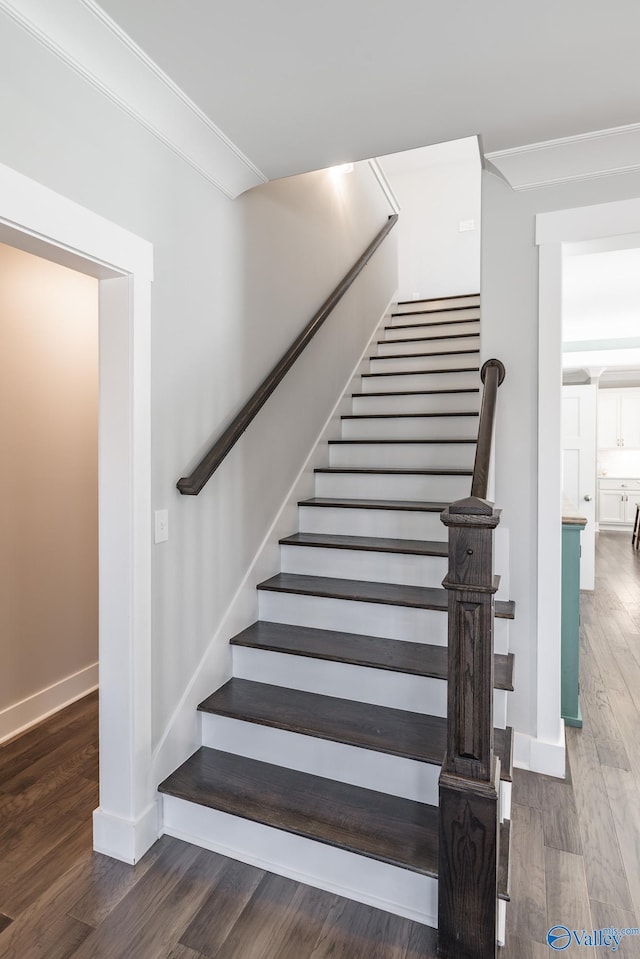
[(352, 616), (401, 524), (423, 341), (377, 884), (367, 565), (419, 364), (367, 768), (394, 486), (362, 684), (414, 427), (381, 687), (424, 326), (402, 455), (418, 403), (461, 376), (441, 308)]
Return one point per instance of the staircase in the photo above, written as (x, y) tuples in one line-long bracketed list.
[(320, 758)]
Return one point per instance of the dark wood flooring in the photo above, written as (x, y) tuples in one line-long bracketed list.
[(576, 844)]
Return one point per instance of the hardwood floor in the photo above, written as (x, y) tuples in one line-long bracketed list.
[(576, 844)]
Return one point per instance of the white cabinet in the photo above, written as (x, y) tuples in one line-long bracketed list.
[(617, 499), (619, 419)]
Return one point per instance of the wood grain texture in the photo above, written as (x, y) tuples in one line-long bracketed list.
[(397, 732), (407, 416), (88, 887), (379, 544), (416, 506), (560, 817), (417, 597), (466, 389), (361, 932), (607, 882), (450, 369), (397, 831), (418, 659), (527, 913), (567, 898)]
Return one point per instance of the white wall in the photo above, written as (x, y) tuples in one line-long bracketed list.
[(510, 332), (437, 187), (48, 487), (234, 282)]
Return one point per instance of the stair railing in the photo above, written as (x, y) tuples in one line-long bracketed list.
[(470, 776), (192, 484)]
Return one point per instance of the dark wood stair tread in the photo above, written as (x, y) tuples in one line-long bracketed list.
[(415, 547), (396, 732), (388, 471), (438, 336), (397, 831), (439, 299), (417, 597), (417, 356), (436, 322), (404, 442), (453, 369), (401, 416), (465, 389), (416, 659), (416, 506)]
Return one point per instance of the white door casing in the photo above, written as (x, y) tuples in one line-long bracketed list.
[(554, 230), (579, 468), (42, 222)]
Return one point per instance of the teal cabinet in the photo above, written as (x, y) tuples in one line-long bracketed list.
[(570, 662)]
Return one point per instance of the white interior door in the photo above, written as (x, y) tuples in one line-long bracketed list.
[(579, 468)]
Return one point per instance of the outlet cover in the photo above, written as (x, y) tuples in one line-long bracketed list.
[(466, 226)]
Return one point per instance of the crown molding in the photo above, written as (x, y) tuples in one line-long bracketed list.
[(582, 157), (384, 184), (88, 41)]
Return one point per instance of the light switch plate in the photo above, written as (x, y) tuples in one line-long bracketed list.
[(161, 525), (466, 226)]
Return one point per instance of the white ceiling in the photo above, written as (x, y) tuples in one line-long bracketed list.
[(299, 86), (423, 158)]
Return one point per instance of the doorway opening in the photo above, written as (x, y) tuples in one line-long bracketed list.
[(39, 221), (49, 490), (601, 355)]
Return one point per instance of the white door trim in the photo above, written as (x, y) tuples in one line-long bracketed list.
[(554, 231), (41, 221)]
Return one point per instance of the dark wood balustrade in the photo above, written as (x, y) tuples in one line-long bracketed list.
[(469, 812), (192, 484)]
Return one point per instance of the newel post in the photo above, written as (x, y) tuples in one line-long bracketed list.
[(470, 777)]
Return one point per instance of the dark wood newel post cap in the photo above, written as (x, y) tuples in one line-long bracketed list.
[(471, 511)]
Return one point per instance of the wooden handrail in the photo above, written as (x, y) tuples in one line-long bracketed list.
[(492, 375), (469, 785), (192, 484)]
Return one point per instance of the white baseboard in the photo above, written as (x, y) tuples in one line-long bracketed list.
[(21, 716), (539, 756), (125, 839)]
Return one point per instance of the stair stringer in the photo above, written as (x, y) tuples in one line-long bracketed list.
[(182, 735)]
